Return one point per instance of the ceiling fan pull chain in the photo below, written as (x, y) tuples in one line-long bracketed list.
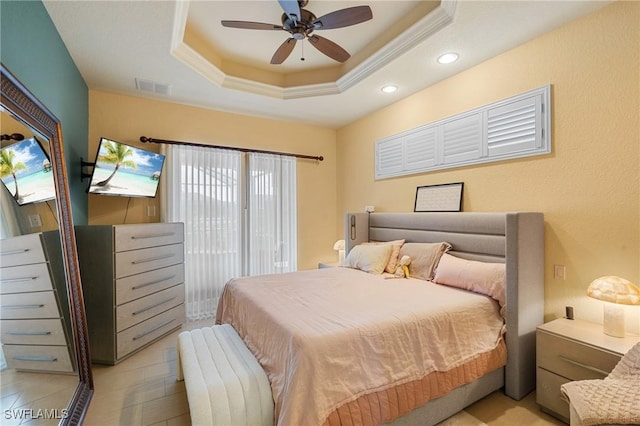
[(302, 48)]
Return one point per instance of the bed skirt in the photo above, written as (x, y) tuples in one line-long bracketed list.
[(384, 406)]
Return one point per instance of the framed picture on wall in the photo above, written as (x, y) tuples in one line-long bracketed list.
[(446, 197)]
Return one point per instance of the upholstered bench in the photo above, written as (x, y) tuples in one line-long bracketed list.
[(225, 383)]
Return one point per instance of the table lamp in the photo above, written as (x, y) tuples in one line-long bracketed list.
[(339, 247), (615, 292)]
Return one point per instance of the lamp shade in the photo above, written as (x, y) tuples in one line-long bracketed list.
[(615, 290)]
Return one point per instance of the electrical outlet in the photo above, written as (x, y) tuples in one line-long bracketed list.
[(151, 211), (34, 221), (559, 272)]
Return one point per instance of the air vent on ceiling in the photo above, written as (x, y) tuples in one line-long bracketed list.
[(153, 87)]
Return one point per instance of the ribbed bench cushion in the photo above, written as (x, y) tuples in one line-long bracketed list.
[(225, 383)]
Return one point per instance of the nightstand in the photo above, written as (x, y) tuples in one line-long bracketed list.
[(568, 350), (322, 265)]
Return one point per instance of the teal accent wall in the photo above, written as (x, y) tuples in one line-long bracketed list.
[(31, 48)]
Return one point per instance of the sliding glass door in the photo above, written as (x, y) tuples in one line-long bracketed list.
[(239, 212)]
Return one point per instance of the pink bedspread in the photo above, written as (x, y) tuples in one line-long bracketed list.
[(326, 337)]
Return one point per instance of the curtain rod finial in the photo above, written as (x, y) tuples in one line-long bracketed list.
[(144, 139)]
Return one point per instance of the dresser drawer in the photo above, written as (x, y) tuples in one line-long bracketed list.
[(41, 304), (25, 278), (32, 332), (548, 392), (573, 360), (139, 310), (133, 237), (43, 358), (140, 285), (22, 250), (143, 260), (141, 334)]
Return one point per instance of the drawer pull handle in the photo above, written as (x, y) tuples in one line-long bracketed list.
[(20, 251), (151, 259), (137, 287), (153, 306), (35, 358), (141, 335), (142, 237), (29, 333), (22, 306), (579, 364), (17, 280)]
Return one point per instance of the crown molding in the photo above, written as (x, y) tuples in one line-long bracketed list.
[(440, 17)]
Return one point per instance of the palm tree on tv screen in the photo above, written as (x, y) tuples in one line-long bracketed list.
[(8, 167), (116, 154)]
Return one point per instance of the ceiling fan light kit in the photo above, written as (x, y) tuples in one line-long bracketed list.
[(301, 24)]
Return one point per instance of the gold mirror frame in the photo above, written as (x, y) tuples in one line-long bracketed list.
[(24, 106)]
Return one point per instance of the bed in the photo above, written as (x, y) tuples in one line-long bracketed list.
[(343, 346)]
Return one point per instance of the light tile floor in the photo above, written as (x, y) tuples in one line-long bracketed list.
[(142, 390), (25, 395)]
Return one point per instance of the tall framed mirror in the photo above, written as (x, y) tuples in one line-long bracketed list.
[(43, 330)]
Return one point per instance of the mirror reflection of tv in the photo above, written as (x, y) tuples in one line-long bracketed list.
[(25, 171), (124, 170)]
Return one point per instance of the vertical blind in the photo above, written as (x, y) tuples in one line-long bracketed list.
[(271, 208), (210, 190)]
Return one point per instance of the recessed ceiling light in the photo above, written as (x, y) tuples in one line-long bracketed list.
[(389, 88), (448, 58)]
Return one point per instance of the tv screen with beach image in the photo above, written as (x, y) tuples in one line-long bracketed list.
[(25, 171), (125, 170)]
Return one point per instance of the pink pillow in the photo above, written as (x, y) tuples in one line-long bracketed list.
[(480, 277)]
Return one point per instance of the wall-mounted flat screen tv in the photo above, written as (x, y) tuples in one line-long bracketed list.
[(25, 171), (125, 170)]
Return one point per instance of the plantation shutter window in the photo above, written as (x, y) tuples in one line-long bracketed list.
[(462, 139), (420, 149), (512, 128)]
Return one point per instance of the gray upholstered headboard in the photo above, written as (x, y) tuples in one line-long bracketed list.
[(516, 239)]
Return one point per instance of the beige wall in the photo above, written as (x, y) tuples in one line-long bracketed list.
[(588, 187), (125, 119)]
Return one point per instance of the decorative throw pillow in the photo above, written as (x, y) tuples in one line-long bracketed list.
[(372, 258), (392, 264), (424, 258), (480, 277)]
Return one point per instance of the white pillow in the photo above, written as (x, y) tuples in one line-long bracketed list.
[(370, 258), (392, 264)]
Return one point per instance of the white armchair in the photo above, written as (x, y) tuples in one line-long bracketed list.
[(614, 400)]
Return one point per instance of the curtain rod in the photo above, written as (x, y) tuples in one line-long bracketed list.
[(145, 139)]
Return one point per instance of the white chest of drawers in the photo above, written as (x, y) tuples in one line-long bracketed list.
[(568, 350), (133, 284), (35, 327)]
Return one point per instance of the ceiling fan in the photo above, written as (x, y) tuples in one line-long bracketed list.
[(301, 24)]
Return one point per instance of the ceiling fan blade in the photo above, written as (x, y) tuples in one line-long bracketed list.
[(291, 8), (245, 25), (329, 48), (343, 18), (283, 51)]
